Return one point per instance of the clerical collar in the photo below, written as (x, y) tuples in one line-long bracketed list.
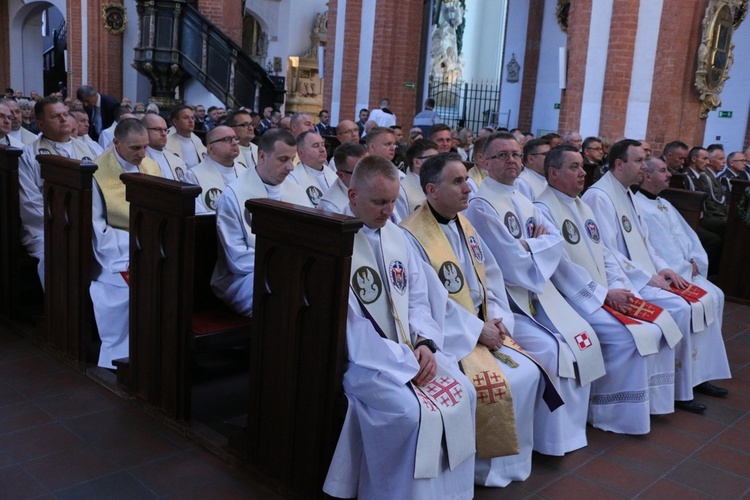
[(440, 218), (126, 166), (647, 194), (564, 195)]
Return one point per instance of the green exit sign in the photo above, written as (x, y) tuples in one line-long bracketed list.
[(557, 105), (410, 85), (725, 114)]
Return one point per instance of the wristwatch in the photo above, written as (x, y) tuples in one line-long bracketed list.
[(429, 343)]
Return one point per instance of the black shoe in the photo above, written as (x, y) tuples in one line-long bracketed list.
[(690, 406), (710, 389)]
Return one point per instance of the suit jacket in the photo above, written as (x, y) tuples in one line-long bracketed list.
[(107, 109), (716, 203)]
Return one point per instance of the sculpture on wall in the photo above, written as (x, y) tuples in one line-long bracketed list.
[(715, 52), (446, 62), (304, 82)]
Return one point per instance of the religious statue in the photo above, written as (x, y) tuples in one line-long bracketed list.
[(445, 61)]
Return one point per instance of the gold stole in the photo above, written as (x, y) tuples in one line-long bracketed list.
[(113, 189), (495, 421), (81, 151), (413, 189), (477, 174)]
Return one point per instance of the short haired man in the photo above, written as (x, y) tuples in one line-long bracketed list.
[(200, 117), (6, 118), (99, 107), (346, 131), (232, 280), (528, 249), (716, 204), (427, 117), (395, 353), (285, 123), (218, 169), (440, 134), (16, 130), (674, 155), (82, 125), (364, 114), (624, 234), (324, 124), (412, 195), (111, 224), (646, 149), (55, 139), (301, 122), (553, 139), (213, 114), (640, 364), (531, 181), (572, 138), (311, 173), (242, 124), (479, 318), (181, 140), (681, 248), (593, 156), (381, 141), (736, 169), (384, 117), (170, 165), (697, 162), (346, 156)]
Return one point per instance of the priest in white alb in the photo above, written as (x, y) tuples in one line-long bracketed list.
[(311, 173), (346, 157)]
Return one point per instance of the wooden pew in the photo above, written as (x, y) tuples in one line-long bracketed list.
[(679, 181), (735, 265), (68, 257), (688, 203), (173, 313), (297, 350)]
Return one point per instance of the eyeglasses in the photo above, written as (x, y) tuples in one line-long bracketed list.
[(505, 156), (596, 149), (157, 129), (226, 140), (742, 160), (424, 157), (247, 125), (344, 171), (538, 154)]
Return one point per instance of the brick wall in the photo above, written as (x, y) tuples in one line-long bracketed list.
[(531, 63), (395, 57), (226, 14), (578, 41), (350, 62), (674, 102), (75, 67), (105, 52), (619, 69)]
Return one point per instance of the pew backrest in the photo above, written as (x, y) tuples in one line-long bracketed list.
[(688, 203), (734, 267), (10, 230)]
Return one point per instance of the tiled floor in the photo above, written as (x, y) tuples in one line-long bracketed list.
[(62, 435)]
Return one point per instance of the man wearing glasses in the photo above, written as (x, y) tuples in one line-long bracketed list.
[(242, 124), (219, 168), (171, 165), (531, 181), (347, 156), (412, 195), (593, 156), (528, 249), (736, 169)]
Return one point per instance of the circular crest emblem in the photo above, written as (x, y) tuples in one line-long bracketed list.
[(476, 250), (513, 225), (593, 231), (570, 232), (204, 155), (451, 276), (626, 225), (212, 198), (85, 158), (314, 194), (44, 151), (366, 284), (398, 276)]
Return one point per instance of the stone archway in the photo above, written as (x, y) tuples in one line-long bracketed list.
[(33, 29)]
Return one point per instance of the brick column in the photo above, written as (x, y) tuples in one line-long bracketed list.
[(571, 101), (395, 57), (4, 46), (105, 52), (531, 63), (349, 71), (75, 66), (675, 108), (227, 14), (617, 79)]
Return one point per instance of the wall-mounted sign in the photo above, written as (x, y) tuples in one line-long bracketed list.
[(725, 114), (557, 105), (410, 85)]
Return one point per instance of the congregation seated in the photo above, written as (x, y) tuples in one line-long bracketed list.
[(531, 181), (181, 140), (346, 157), (6, 118), (19, 133), (83, 126), (170, 165), (232, 280), (311, 173), (242, 124)]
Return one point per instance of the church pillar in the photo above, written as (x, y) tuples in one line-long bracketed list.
[(104, 52), (74, 62), (531, 64), (4, 45), (342, 59), (571, 100)]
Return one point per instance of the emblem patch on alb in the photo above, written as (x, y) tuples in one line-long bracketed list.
[(451, 277), (626, 225), (212, 198), (583, 341), (366, 284), (592, 230), (44, 151), (513, 225), (85, 158), (398, 276), (314, 194), (570, 232), (476, 249)]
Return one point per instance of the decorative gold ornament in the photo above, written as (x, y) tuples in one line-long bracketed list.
[(715, 52), (114, 17)]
